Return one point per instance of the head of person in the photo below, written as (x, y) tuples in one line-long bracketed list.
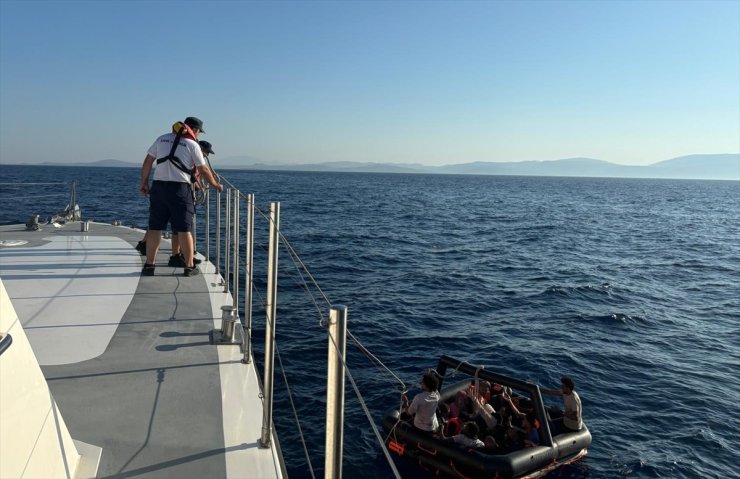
[(195, 124), (429, 382), (206, 148), (484, 387), (567, 385), (470, 429), (528, 421)]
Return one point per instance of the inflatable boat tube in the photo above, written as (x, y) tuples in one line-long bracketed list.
[(435, 454)]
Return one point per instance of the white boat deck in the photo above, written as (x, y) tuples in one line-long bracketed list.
[(130, 360)]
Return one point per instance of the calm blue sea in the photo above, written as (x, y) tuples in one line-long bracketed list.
[(632, 287)]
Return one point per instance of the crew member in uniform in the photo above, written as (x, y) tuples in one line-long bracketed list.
[(170, 196)]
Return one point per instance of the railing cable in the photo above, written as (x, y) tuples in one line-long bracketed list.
[(367, 411), (303, 272), (377, 361), (263, 302), (295, 412)]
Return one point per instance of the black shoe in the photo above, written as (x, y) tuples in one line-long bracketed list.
[(191, 272), (196, 260), (141, 247), (147, 270), (178, 261)]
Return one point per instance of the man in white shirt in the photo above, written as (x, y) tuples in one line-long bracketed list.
[(170, 196), (424, 405), (571, 419)]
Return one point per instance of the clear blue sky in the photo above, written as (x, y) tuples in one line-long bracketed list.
[(436, 83)]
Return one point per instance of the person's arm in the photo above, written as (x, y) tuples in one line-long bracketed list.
[(514, 409), (552, 392), (206, 172), (487, 417), (414, 405), (146, 169)]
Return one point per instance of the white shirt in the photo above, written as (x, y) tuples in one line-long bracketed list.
[(424, 408), (187, 150), (572, 403)]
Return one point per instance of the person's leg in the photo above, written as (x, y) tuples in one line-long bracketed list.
[(176, 259), (186, 246), (158, 219), (153, 239), (141, 245), (176, 243), (556, 426), (182, 222)]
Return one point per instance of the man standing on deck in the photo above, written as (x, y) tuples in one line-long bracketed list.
[(171, 197)]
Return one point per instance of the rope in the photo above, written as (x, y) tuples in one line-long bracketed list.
[(367, 411), (262, 301), (295, 413), (377, 361)]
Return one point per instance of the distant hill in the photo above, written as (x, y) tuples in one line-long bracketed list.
[(698, 166), (234, 161), (708, 167), (715, 167)]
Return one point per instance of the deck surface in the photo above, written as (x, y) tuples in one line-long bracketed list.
[(130, 360)]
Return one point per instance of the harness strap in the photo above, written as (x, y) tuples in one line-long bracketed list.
[(177, 162)]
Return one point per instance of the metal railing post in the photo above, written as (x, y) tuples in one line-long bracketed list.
[(271, 310), (235, 255), (218, 232), (195, 234), (227, 239), (335, 392), (248, 258), (207, 225)]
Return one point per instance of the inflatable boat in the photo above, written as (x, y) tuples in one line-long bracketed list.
[(437, 455)]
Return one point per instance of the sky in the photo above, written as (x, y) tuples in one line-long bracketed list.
[(429, 82)]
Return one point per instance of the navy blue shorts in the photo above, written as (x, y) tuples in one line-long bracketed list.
[(171, 202)]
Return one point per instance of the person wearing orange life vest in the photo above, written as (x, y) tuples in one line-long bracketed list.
[(177, 259), (170, 196)]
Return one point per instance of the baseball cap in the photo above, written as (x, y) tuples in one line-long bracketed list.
[(194, 122), (206, 147)]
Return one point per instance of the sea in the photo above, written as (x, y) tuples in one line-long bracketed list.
[(629, 286)]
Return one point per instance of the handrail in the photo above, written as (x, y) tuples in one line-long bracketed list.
[(476, 371), (229, 272), (5, 342)]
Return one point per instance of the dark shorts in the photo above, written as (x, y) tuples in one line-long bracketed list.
[(171, 202)]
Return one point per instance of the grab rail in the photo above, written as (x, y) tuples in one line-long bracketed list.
[(230, 275), (5, 342)]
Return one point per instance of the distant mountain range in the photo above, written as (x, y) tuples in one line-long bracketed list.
[(709, 167)]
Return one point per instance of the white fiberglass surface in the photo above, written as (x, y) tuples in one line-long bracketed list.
[(71, 293)]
